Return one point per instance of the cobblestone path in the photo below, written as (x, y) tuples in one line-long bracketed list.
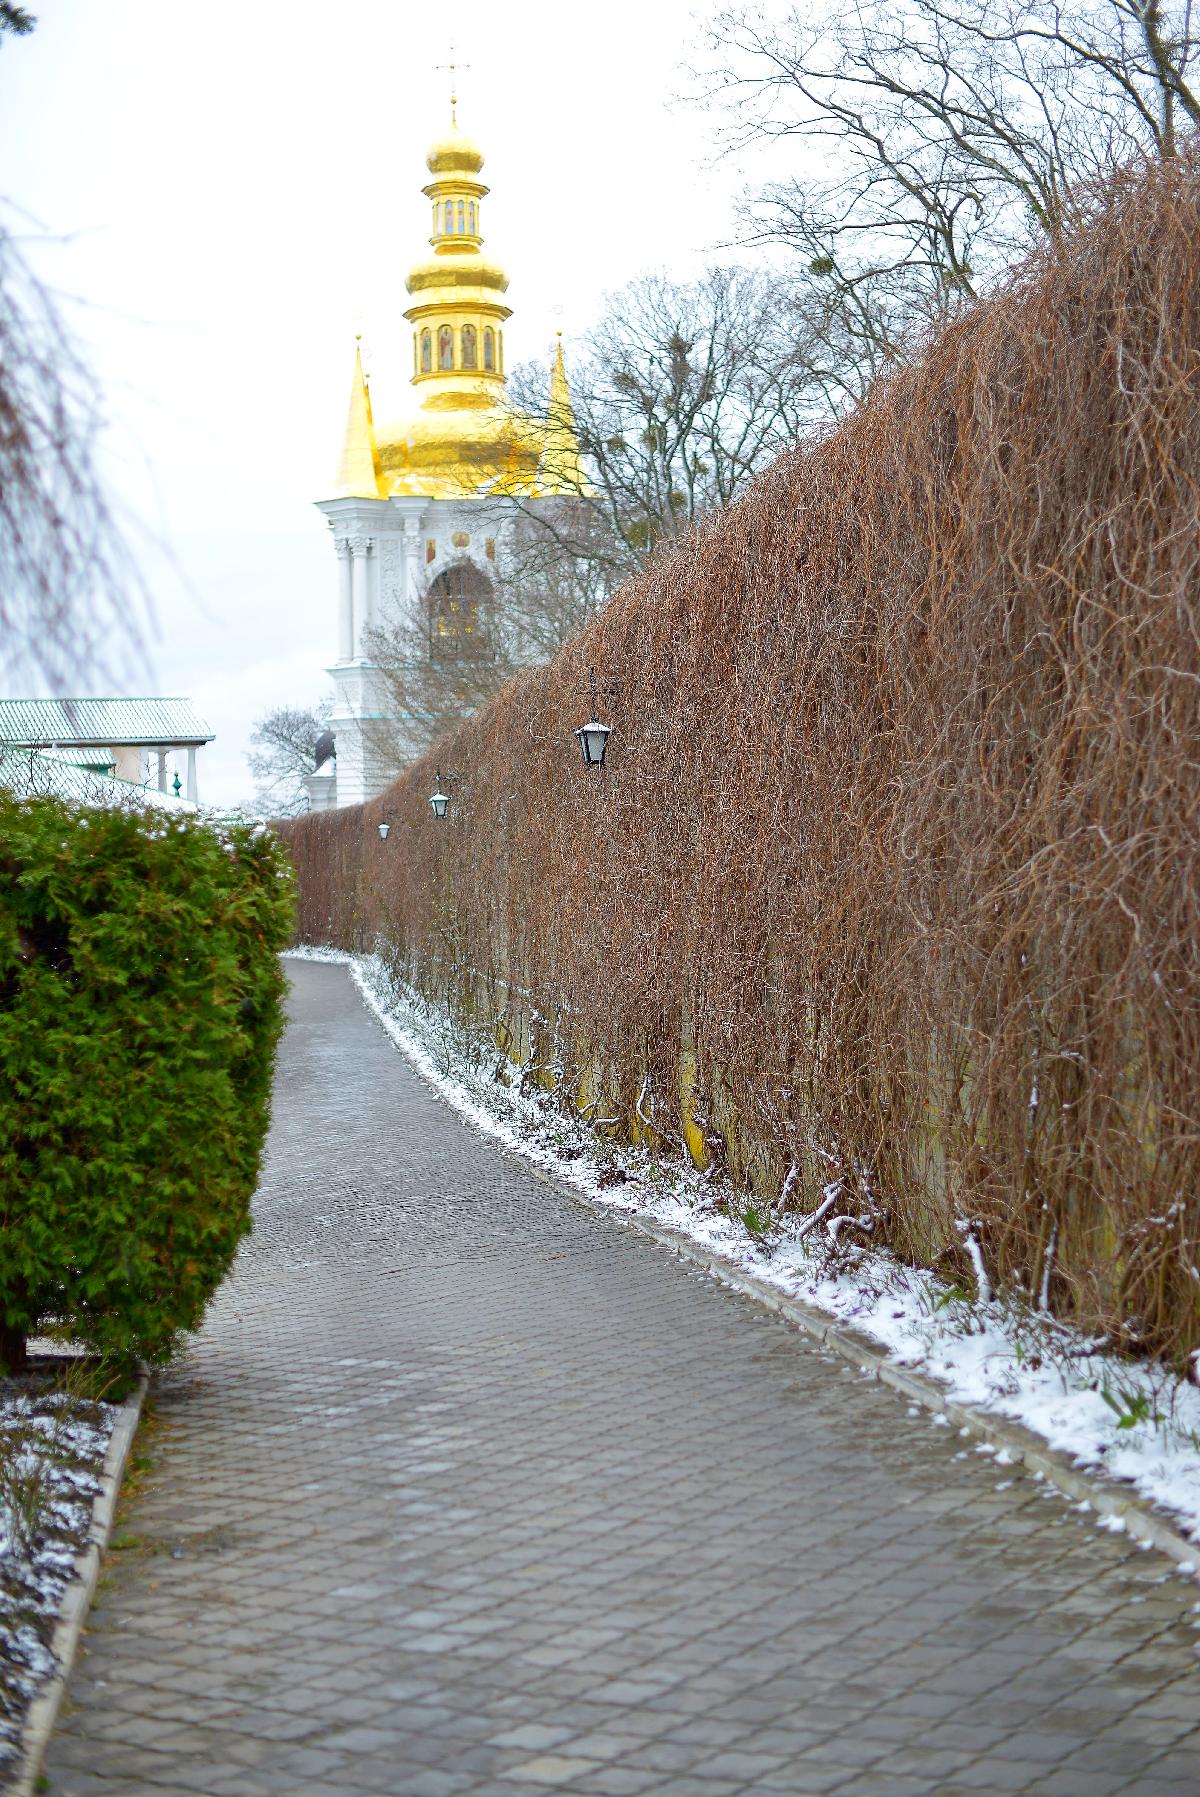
[(466, 1489)]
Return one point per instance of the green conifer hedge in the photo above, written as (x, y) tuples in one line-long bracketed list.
[(140, 1004)]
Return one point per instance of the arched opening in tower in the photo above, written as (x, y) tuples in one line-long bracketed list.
[(459, 605)]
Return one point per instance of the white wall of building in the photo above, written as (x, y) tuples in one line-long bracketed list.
[(384, 567)]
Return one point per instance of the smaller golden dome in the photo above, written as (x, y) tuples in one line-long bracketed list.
[(454, 154), (469, 273)]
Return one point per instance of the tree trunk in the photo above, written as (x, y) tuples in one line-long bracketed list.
[(13, 1358)]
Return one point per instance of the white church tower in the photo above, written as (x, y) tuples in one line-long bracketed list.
[(420, 512)]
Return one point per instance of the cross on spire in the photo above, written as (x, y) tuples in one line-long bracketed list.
[(452, 68)]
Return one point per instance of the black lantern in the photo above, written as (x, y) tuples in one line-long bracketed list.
[(593, 741), (593, 736), (440, 801)]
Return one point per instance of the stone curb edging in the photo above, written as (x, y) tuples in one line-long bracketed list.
[(77, 1598), (1024, 1448)]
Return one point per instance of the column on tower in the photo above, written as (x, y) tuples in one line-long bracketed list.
[(360, 591), (345, 647)]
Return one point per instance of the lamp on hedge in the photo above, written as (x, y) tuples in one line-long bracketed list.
[(439, 800), (593, 736), (384, 827)]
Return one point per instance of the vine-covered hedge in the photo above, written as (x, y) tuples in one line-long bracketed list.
[(894, 873), (140, 1004)]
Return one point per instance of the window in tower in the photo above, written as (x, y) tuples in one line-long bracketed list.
[(489, 348), (462, 220), (460, 607), (473, 216), (436, 226), (500, 335), (426, 353), (470, 354), (445, 347)]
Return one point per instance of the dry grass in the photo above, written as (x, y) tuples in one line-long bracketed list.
[(899, 832)]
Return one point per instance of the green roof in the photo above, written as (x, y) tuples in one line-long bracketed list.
[(107, 723)]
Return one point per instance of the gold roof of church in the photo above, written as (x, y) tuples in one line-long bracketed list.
[(464, 438)]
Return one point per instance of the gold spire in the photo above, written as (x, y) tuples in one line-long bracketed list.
[(358, 470), (561, 471)]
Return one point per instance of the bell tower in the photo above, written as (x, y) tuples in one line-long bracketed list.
[(421, 509)]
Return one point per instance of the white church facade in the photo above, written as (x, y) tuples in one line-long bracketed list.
[(422, 510)]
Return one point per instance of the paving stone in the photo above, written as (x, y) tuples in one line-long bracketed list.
[(555, 1769), (652, 1756), (464, 1487), (531, 1737), (621, 1781)]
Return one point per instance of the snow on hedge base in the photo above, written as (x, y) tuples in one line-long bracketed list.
[(140, 1004)]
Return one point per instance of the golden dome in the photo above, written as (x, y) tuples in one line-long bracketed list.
[(461, 447), (467, 271), (454, 154)]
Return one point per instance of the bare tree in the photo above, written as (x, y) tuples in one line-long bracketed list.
[(430, 690), (679, 394), (563, 559), (285, 750), (71, 598), (953, 134)]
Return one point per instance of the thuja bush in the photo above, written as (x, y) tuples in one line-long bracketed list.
[(892, 875), (140, 1004)]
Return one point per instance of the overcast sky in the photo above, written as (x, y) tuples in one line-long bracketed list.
[(232, 192)]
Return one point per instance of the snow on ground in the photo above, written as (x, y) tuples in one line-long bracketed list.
[(1133, 1421), (52, 1448)]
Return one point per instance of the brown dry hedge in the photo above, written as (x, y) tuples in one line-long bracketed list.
[(892, 873)]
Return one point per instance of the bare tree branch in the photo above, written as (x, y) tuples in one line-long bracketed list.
[(958, 134), (680, 394), (285, 744), (71, 598)]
